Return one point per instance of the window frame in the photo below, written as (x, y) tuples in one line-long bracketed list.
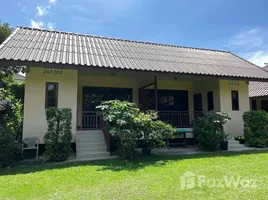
[(233, 107), (46, 93), (210, 107)]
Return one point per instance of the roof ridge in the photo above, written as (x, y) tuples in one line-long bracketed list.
[(135, 41)]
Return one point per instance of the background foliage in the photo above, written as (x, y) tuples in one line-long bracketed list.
[(59, 135), (10, 148), (11, 107), (256, 128)]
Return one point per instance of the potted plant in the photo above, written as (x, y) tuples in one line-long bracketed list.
[(224, 141), (241, 140), (147, 143)]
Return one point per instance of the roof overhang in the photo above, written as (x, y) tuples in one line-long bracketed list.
[(118, 70)]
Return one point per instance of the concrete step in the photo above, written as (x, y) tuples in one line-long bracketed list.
[(89, 136), (90, 132), (91, 149), (94, 140), (90, 144), (85, 132)]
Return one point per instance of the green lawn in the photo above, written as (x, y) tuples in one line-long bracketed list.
[(147, 178)]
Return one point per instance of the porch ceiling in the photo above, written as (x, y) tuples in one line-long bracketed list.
[(28, 46)]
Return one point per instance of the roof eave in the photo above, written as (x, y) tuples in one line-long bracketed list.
[(83, 67)]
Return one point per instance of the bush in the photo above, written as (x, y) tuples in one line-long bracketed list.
[(9, 147), (152, 131), (256, 128), (129, 125), (11, 114), (208, 130), (59, 135)]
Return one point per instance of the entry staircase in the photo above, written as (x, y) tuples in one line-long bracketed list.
[(90, 145)]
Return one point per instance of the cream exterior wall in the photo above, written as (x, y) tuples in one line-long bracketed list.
[(235, 126), (35, 124)]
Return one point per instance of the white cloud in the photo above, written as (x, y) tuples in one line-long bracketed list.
[(41, 10), (259, 58), (35, 24), (52, 1), (248, 38), (51, 26)]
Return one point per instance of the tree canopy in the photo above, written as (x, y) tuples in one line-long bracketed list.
[(7, 72), (5, 31)]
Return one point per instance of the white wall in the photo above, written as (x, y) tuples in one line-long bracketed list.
[(35, 124), (235, 126)]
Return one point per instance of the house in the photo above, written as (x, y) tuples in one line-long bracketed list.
[(258, 94), (77, 71)]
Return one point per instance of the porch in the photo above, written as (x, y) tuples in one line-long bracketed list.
[(178, 100)]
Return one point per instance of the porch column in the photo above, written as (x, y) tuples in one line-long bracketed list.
[(155, 93)]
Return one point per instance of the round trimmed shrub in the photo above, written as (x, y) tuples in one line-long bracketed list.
[(256, 128)]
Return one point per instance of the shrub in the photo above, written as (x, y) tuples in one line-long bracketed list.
[(11, 113), (129, 125), (208, 130), (9, 147), (58, 137), (153, 131), (256, 128)]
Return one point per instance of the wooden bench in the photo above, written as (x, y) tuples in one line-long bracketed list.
[(181, 132)]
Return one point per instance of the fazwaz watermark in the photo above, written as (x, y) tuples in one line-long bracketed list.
[(190, 180)]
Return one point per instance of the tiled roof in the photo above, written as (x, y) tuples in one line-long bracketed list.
[(44, 46), (258, 89)]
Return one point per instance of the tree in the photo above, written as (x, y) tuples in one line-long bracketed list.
[(10, 105), (7, 72), (129, 125), (5, 31)]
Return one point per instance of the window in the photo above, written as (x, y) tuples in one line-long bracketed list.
[(210, 101), (253, 104), (51, 95), (264, 105), (235, 100), (168, 100)]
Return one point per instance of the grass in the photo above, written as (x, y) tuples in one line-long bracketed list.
[(146, 178)]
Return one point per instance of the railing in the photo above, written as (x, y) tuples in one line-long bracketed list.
[(179, 119), (91, 120)]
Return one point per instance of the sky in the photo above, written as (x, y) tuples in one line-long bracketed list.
[(239, 26)]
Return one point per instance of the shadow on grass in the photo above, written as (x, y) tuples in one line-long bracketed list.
[(119, 165)]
